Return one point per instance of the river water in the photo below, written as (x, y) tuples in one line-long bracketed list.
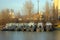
[(17, 35)]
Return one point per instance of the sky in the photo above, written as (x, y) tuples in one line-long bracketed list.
[(17, 5)]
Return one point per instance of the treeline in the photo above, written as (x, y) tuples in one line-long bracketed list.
[(8, 15)]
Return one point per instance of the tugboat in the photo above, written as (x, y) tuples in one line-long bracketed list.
[(48, 26), (31, 26), (40, 26)]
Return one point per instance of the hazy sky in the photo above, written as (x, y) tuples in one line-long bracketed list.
[(17, 5)]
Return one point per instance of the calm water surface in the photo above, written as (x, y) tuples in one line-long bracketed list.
[(15, 35)]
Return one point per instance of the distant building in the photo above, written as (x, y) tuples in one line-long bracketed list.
[(59, 9), (59, 14), (56, 3), (55, 9), (11, 13)]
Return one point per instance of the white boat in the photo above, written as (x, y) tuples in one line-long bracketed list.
[(48, 25)]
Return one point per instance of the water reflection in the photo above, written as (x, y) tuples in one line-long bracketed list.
[(5, 35)]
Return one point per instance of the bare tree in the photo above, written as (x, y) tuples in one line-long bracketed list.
[(18, 15), (28, 7), (5, 16), (47, 16)]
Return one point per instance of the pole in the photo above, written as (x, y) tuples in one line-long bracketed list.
[(38, 10)]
